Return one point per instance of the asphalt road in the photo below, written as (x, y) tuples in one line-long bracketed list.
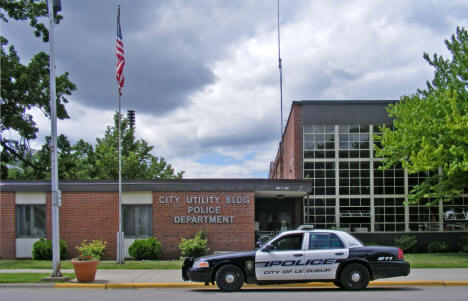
[(322, 294)]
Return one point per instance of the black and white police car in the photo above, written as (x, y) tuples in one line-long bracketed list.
[(300, 256)]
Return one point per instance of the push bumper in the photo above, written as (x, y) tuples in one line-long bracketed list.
[(197, 275)]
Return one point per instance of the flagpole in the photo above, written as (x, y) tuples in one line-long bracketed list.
[(120, 64), (120, 257)]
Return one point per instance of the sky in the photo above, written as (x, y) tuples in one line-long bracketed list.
[(203, 78)]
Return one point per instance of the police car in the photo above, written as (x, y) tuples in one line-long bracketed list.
[(300, 256)]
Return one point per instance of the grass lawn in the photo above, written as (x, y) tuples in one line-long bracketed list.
[(438, 260), (417, 261), (108, 265), (27, 277)]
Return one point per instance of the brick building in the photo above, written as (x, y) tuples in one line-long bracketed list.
[(331, 145), (229, 210)]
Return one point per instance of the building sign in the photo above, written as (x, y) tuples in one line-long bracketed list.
[(204, 209)]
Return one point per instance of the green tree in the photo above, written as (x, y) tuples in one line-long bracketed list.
[(75, 162), (430, 128), (137, 161), (25, 86)]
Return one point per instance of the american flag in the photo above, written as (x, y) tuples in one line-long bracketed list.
[(120, 55)]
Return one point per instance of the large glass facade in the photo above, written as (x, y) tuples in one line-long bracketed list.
[(352, 193)]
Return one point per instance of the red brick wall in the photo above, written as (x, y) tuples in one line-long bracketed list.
[(7, 225), (94, 215), (240, 235), (292, 144), (87, 215)]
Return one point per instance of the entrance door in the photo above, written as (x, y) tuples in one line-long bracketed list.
[(278, 260)]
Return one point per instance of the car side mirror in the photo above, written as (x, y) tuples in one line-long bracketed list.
[(268, 248), (258, 244)]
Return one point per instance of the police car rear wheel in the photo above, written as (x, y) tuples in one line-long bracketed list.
[(229, 278), (355, 276)]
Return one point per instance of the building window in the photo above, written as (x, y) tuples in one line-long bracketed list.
[(389, 214), (319, 141), (423, 218), (137, 220), (389, 181), (323, 176), (355, 214), (30, 221), (354, 141), (320, 213), (456, 214), (354, 178)]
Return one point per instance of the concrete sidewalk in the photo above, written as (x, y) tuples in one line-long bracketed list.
[(175, 276)]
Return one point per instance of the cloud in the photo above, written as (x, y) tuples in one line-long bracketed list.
[(203, 76)]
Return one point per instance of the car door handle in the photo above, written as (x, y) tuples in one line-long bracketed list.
[(340, 253), (298, 255)]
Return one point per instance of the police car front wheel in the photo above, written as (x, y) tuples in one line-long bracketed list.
[(355, 276), (229, 278)]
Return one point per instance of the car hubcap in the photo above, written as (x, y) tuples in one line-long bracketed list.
[(355, 277), (229, 278)]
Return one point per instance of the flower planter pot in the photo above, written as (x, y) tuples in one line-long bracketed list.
[(85, 271)]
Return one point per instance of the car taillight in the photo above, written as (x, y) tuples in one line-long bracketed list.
[(400, 254)]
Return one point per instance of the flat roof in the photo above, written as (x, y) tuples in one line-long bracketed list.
[(331, 112), (261, 187)]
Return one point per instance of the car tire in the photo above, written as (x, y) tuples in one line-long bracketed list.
[(229, 278), (338, 283), (355, 276)]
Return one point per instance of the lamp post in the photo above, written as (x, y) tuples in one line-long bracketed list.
[(53, 7)]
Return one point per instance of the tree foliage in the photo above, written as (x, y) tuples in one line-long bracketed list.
[(82, 161), (137, 161), (25, 86), (430, 128)]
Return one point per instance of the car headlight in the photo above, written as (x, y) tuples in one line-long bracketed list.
[(200, 264)]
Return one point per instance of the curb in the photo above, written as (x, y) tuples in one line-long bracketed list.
[(252, 286)]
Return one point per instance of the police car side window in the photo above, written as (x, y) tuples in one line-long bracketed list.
[(290, 242), (321, 241)]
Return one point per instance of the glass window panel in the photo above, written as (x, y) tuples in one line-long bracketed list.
[(319, 165), (319, 154), (308, 129), (30, 220), (319, 190), (329, 129), (137, 220), (319, 129)]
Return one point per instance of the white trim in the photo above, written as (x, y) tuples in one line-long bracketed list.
[(24, 247), (30, 198), (137, 197)]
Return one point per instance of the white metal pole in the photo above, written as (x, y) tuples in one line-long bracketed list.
[(120, 256), (53, 145)]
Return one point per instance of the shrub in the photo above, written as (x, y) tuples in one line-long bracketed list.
[(438, 247), (463, 243), (371, 243), (42, 249), (92, 250), (145, 249), (406, 242), (194, 247)]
